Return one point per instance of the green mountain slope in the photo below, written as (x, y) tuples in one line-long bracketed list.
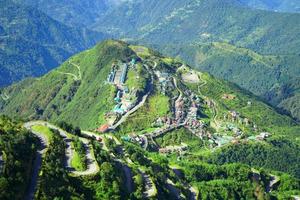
[(272, 77), (178, 27), (187, 29), (192, 123), (204, 21), (32, 43), (17, 152), (57, 95)]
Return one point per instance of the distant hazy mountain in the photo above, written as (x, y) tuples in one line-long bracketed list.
[(274, 5), (31, 43), (74, 12)]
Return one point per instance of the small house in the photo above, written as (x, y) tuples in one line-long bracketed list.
[(103, 129)]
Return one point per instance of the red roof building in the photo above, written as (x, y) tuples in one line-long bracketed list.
[(103, 129)]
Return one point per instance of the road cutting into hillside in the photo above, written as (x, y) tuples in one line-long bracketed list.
[(124, 117), (139, 105), (126, 169), (193, 190), (5, 97), (92, 165), (150, 188), (214, 104), (44, 142), (1, 163), (75, 77)]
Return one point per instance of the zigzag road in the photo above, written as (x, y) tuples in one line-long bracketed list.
[(150, 188), (125, 167), (92, 165), (38, 161)]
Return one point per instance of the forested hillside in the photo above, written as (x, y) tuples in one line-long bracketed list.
[(17, 154), (32, 43), (258, 50), (273, 78), (157, 128)]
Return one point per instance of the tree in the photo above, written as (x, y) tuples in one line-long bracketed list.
[(77, 131)]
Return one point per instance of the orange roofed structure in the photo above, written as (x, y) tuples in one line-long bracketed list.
[(103, 129)]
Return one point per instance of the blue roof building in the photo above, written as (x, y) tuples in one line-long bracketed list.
[(124, 73)]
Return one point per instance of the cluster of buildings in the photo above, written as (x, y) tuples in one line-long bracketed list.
[(118, 73), (262, 136), (234, 116), (179, 110), (164, 121), (124, 100), (139, 139), (173, 149), (164, 81), (228, 96), (192, 123), (231, 127)]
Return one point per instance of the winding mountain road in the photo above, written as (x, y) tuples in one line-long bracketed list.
[(75, 77), (92, 165), (139, 105), (214, 104), (44, 142), (274, 180), (193, 190), (124, 117), (150, 189), (5, 97), (174, 191), (125, 167)]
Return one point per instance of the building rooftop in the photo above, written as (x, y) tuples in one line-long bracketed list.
[(103, 129)]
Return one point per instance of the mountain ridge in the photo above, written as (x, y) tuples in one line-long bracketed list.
[(33, 43), (181, 131)]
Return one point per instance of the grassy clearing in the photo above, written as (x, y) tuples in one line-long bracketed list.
[(141, 51), (177, 137), (168, 60), (77, 163), (44, 130), (131, 81), (159, 104), (156, 106)]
